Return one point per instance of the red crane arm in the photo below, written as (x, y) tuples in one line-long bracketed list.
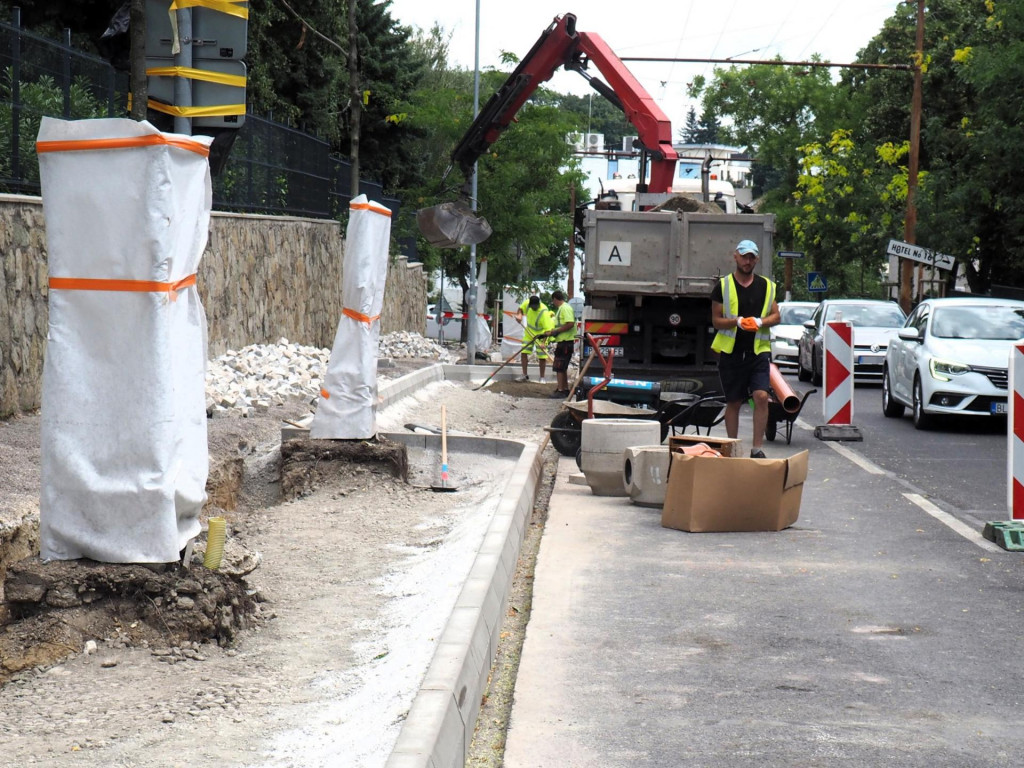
[(560, 45)]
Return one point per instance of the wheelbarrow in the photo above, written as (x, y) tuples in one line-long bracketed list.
[(686, 411), (784, 405)]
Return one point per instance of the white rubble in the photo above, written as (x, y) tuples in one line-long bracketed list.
[(249, 381)]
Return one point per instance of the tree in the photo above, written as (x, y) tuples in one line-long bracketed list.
[(848, 203), (708, 128), (971, 84), (772, 111), (690, 133), (594, 114)]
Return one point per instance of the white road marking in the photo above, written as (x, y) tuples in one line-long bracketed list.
[(856, 458), (952, 523)]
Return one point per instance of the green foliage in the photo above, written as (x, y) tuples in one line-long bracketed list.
[(848, 203), (293, 74), (772, 110), (975, 152), (38, 98), (690, 131), (594, 114), (523, 181)]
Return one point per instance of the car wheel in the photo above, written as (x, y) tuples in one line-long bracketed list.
[(921, 419), (815, 373), (890, 407), (802, 373)]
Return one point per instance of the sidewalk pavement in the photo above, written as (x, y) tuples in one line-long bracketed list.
[(866, 634)]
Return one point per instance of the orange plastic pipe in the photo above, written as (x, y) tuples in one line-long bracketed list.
[(783, 392)]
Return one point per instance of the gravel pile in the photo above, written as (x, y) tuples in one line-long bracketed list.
[(249, 381)]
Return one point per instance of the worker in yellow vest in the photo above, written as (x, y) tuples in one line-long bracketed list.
[(743, 308), (564, 334), (538, 320)]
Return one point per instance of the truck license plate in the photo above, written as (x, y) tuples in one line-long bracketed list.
[(998, 408), (615, 351)]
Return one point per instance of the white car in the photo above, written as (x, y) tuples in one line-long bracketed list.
[(875, 323), (951, 358), (786, 334)]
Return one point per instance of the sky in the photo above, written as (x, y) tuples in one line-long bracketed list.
[(712, 29)]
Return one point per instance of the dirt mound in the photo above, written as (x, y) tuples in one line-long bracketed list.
[(59, 605), (686, 204)]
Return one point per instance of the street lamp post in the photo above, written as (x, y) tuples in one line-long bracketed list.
[(471, 332)]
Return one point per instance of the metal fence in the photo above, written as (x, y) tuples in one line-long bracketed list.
[(271, 168)]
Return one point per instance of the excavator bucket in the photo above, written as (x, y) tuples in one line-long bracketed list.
[(451, 225)]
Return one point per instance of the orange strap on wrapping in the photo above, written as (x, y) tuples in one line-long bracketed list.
[(368, 207), (359, 316), (134, 286), (130, 142)]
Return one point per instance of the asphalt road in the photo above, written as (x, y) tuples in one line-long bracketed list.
[(878, 630), (961, 463)]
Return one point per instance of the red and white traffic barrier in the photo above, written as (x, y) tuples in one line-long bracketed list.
[(838, 373), (456, 316), (1015, 436)]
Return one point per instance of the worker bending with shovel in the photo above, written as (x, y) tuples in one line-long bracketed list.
[(563, 331), (538, 321)]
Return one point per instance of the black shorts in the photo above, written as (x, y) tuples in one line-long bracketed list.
[(743, 373), (563, 354)]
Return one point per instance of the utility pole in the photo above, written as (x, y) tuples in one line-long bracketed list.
[(357, 100), (910, 221), (570, 284), (471, 330), (137, 40)]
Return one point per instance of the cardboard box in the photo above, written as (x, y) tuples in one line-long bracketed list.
[(727, 446), (733, 494)]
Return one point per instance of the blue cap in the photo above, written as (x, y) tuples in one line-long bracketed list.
[(747, 246)]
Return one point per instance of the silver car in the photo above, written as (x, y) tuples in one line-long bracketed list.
[(787, 333), (874, 323), (951, 358)]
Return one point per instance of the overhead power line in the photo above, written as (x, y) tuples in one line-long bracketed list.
[(772, 62)]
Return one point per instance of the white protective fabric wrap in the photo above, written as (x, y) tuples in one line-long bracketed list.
[(347, 407), (124, 453)]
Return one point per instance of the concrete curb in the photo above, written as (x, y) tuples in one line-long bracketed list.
[(439, 728)]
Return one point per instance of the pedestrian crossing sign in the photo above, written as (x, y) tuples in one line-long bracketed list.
[(816, 282)]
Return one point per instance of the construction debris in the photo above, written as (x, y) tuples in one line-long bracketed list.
[(249, 381)]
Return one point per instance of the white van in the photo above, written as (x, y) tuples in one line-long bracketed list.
[(720, 192)]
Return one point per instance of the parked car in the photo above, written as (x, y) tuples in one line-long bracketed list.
[(787, 333), (952, 357), (874, 323)]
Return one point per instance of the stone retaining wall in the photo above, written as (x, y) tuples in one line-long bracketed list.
[(261, 278)]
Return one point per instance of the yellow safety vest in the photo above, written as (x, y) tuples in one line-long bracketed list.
[(563, 315), (725, 340)]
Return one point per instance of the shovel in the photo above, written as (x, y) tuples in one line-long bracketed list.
[(515, 354), (444, 486)]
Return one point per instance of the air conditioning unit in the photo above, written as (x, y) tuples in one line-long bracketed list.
[(627, 143), (595, 142), (578, 141)]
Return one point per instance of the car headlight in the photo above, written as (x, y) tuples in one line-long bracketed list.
[(943, 370)]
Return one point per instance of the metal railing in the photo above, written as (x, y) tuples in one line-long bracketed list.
[(271, 168)]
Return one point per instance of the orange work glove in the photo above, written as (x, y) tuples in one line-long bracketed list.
[(750, 323)]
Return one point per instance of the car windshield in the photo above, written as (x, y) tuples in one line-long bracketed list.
[(882, 315), (795, 315), (980, 322)]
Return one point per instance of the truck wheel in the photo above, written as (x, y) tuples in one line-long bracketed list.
[(566, 434)]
